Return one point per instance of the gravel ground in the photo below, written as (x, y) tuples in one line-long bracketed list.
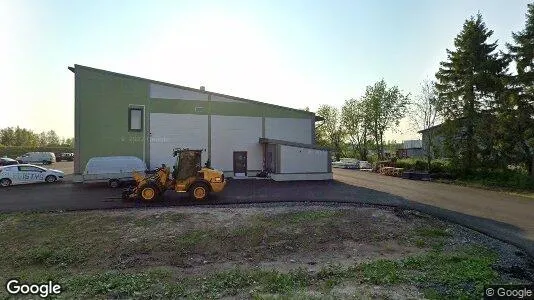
[(512, 262)]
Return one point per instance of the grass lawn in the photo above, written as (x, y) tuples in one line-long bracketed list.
[(255, 253)]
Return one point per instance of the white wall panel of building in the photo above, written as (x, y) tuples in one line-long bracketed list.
[(169, 131), (289, 129), (232, 133), (169, 92), (217, 98), (302, 160)]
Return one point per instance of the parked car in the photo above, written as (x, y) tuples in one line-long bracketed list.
[(46, 158), (115, 170), (346, 163), (25, 173), (64, 157), (6, 161)]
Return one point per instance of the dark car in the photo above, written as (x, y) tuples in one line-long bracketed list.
[(5, 161), (65, 157)]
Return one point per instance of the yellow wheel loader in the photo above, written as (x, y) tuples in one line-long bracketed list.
[(187, 177)]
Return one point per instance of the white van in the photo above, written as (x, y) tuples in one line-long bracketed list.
[(111, 169), (46, 158)]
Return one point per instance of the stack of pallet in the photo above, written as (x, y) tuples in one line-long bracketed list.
[(391, 171)]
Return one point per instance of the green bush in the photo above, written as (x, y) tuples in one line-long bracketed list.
[(406, 163), (420, 165), (14, 151), (412, 164), (511, 179), (437, 166)]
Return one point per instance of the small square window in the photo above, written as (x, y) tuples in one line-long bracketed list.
[(135, 119)]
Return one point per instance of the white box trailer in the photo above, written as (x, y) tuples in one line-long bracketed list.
[(288, 161), (114, 170)]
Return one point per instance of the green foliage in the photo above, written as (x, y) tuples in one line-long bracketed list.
[(119, 285), (356, 123), (384, 107), (446, 275), (383, 272), (21, 137), (484, 177), (48, 256), (467, 82), (437, 166), (508, 179), (429, 237), (413, 164), (516, 107), (329, 132)]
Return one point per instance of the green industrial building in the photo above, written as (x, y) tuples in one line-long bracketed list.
[(123, 115)]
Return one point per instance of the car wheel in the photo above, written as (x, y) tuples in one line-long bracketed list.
[(51, 178), (5, 182), (114, 183), (198, 191)]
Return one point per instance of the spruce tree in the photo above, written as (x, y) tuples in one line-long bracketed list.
[(467, 83), (516, 113)]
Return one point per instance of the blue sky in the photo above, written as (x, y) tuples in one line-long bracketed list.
[(291, 53)]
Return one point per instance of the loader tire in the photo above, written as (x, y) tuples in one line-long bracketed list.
[(149, 192), (198, 191)]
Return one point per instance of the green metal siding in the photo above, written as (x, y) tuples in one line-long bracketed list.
[(174, 106), (178, 106), (279, 112), (102, 115)]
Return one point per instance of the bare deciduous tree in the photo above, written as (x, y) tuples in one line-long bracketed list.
[(424, 114)]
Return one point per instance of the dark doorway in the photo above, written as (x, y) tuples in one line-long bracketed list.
[(270, 157), (240, 163)]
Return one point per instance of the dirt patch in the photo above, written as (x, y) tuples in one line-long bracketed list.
[(282, 238)]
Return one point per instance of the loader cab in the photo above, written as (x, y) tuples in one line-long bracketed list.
[(188, 163)]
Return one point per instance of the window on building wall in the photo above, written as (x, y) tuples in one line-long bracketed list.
[(135, 119)]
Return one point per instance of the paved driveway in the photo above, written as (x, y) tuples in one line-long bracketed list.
[(70, 196), (511, 209)]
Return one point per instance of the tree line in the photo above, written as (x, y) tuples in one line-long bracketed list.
[(363, 122), (484, 99), (21, 137)]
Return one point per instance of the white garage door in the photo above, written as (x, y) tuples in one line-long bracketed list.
[(169, 131)]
